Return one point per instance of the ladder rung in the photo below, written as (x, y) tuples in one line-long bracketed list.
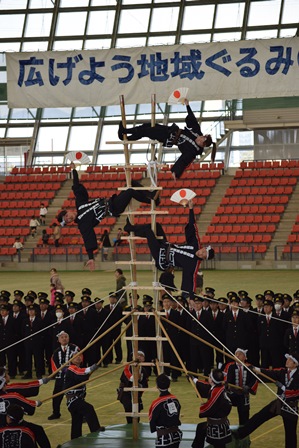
[(129, 142), (145, 338), (138, 238), (149, 188), (156, 288)]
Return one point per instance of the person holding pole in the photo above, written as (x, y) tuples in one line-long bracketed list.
[(287, 382), (164, 415), (75, 397), (215, 430), (190, 140), (90, 213)]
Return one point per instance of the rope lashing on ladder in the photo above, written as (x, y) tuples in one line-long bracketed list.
[(152, 171)]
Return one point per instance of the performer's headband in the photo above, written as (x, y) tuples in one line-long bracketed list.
[(292, 358), (61, 333), (210, 252), (214, 380), (242, 351)]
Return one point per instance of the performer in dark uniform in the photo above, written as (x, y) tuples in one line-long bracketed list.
[(147, 327), (18, 313), (237, 374), (16, 434), (33, 345), (77, 406), (8, 336), (291, 336), (116, 314), (90, 326), (126, 380), (201, 355), (187, 256), (14, 394), (172, 332), (216, 430), (90, 213), (61, 355), (164, 415), (287, 381), (189, 140)]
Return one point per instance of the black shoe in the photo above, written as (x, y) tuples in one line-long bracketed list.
[(128, 227), (54, 417), (27, 376), (102, 428), (121, 131)]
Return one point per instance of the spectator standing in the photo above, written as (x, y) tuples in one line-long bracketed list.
[(18, 246), (33, 224), (105, 244), (42, 214), (120, 284), (55, 281), (56, 234), (117, 240), (45, 237)]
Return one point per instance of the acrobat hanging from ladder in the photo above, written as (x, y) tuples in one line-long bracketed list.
[(190, 140)]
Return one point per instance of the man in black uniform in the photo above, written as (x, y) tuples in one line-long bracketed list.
[(16, 394), (237, 374), (16, 434), (8, 336), (33, 344), (291, 336), (77, 406), (187, 256), (89, 328), (164, 415), (287, 381), (90, 213), (115, 314), (61, 355), (169, 356), (189, 140)]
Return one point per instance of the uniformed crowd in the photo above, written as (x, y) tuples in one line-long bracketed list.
[(49, 336)]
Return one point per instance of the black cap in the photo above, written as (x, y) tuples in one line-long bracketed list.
[(295, 313), (29, 298), (44, 301), (242, 293), (5, 293), (98, 299), (73, 305), (278, 298), (260, 297), (198, 298), (69, 293), (247, 299), (210, 291), (4, 307), (223, 300), (85, 299), (42, 295), (32, 293), (32, 307), (4, 298), (147, 298), (231, 294), (59, 307), (287, 297), (235, 299), (86, 292), (18, 292), (268, 302), (58, 295), (268, 292), (17, 302)]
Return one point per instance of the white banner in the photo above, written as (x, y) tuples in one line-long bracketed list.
[(221, 70)]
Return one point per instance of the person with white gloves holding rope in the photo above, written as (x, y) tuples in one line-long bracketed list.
[(287, 381)]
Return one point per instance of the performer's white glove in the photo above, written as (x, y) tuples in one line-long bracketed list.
[(38, 403)]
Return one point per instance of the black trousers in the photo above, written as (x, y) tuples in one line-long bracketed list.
[(80, 409), (158, 132), (265, 414), (56, 402), (242, 408), (119, 202), (153, 244)]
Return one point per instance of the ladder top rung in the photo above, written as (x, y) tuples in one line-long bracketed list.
[(145, 338), (129, 142), (136, 262), (147, 212)]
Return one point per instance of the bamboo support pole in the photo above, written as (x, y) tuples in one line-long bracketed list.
[(176, 353)]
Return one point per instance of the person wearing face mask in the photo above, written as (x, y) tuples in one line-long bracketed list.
[(187, 256)]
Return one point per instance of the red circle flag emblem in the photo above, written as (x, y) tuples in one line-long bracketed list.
[(176, 93), (182, 196), (78, 155)]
